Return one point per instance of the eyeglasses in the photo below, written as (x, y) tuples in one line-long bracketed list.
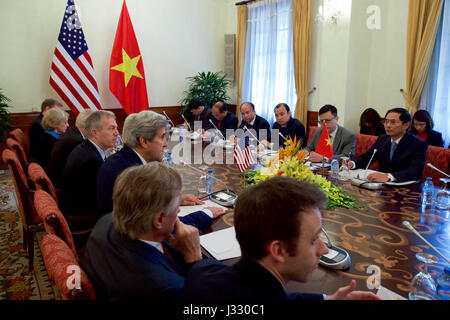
[(325, 120), (388, 121)]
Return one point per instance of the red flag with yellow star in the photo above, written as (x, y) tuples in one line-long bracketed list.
[(324, 146), (126, 74)]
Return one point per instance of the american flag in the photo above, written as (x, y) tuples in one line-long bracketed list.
[(244, 158), (72, 74)]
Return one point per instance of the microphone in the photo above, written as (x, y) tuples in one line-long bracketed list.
[(245, 127), (186, 122), (410, 227), (282, 136), (217, 129), (365, 171), (173, 124), (336, 258), (434, 168)]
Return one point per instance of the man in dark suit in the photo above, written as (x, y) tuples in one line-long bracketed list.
[(142, 251), (277, 224), (259, 126), (288, 126), (36, 129), (400, 154), (144, 141), (201, 113), (343, 140), (224, 119), (79, 185), (64, 146)]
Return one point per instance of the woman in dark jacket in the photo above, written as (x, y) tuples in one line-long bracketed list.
[(422, 127), (370, 123), (54, 124)]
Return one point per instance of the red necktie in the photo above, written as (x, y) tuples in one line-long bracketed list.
[(219, 123)]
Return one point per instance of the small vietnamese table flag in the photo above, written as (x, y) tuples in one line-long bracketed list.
[(324, 146), (126, 74)]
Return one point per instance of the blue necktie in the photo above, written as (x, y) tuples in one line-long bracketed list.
[(393, 146)]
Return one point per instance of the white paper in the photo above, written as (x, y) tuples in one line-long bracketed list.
[(405, 183), (221, 244), (386, 294), (361, 173), (185, 210)]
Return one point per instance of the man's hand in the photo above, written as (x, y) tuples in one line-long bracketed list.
[(265, 143), (378, 177), (315, 157), (190, 200), (187, 241), (348, 293), (348, 163), (216, 211)]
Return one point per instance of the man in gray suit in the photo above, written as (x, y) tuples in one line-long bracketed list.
[(343, 140)]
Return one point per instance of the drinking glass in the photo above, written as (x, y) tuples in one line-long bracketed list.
[(119, 144), (422, 286), (202, 179), (344, 172), (443, 196)]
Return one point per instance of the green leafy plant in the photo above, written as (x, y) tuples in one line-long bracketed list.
[(207, 87), (5, 120)]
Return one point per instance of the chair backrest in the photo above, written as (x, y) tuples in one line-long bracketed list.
[(23, 192), (363, 143), (41, 180), (440, 158), (311, 133), (54, 221), (64, 269), (18, 149), (18, 135)]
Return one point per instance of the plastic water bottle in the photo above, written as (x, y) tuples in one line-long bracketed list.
[(210, 182), (334, 167), (169, 159), (443, 284), (427, 192)]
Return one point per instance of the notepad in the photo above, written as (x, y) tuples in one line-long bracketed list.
[(185, 210), (386, 294), (221, 244)]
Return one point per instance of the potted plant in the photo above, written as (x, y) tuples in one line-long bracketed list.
[(5, 120), (208, 87)]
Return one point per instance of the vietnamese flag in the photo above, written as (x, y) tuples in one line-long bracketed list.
[(126, 74), (324, 146)]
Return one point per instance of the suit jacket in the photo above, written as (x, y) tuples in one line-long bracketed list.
[(110, 170), (45, 147), (204, 117), (435, 139), (343, 144), (294, 128), (36, 131), (122, 268), (408, 159), (211, 280), (259, 124), (79, 187), (229, 122), (60, 153)]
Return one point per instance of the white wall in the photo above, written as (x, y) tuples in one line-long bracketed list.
[(177, 39)]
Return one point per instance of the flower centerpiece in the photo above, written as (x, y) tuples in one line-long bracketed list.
[(290, 162)]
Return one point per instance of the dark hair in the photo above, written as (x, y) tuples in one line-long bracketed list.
[(370, 116), (48, 103), (328, 107), (194, 104), (281, 105), (404, 114), (222, 105), (272, 210), (251, 105), (424, 116)]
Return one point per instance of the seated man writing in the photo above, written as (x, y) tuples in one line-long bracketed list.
[(277, 223), (400, 154)]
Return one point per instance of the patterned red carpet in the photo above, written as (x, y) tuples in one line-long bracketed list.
[(16, 282)]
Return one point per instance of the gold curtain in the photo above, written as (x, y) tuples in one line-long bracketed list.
[(302, 51), (423, 23), (240, 53)]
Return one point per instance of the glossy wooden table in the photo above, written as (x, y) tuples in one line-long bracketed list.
[(373, 235)]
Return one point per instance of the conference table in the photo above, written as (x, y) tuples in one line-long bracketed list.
[(373, 235)]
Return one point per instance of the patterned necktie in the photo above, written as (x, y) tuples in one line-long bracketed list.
[(393, 146)]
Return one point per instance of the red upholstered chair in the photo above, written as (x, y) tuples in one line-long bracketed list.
[(65, 271), (20, 152), (18, 135), (363, 143), (31, 222), (54, 221), (311, 133), (440, 158), (41, 180)]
